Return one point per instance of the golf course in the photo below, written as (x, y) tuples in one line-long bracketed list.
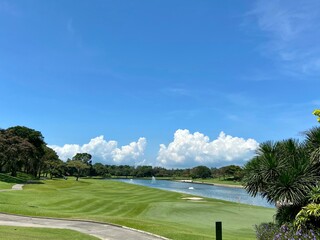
[(27, 233), (164, 213)]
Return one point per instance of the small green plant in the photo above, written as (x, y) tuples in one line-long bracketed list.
[(309, 216)]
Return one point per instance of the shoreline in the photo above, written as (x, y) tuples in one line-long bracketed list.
[(212, 184)]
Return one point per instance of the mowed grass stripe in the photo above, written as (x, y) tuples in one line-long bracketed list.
[(161, 212), (28, 233)]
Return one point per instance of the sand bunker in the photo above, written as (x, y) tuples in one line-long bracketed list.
[(193, 198)]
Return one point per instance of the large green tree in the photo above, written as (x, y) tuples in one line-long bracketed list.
[(80, 162), (34, 161), (15, 151)]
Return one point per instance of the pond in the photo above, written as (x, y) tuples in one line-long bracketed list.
[(238, 195)]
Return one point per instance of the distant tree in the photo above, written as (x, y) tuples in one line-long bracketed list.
[(83, 157), (79, 166), (214, 172), (126, 170), (99, 169), (186, 173), (51, 164), (144, 171), (161, 172), (232, 172), (80, 162), (200, 172)]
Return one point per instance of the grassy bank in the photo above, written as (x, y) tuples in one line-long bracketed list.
[(219, 181), (27, 233), (160, 212), (5, 185)]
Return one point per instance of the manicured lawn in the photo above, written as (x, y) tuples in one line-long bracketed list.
[(5, 185), (26, 233), (219, 181), (160, 212)]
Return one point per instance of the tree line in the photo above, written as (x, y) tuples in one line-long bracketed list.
[(23, 149), (231, 172)]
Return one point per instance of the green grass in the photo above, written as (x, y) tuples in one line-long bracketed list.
[(153, 210), (27, 233), (5, 185), (219, 181)]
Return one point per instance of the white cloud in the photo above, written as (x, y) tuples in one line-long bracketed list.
[(189, 150), (292, 30), (106, 151)]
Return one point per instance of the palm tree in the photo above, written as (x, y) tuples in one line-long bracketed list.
[(313, 143), (284, 174), (262, 169)]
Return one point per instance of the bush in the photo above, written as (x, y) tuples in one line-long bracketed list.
[(267, 231)]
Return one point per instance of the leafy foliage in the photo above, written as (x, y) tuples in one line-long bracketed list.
[(309, 216), (200, 172), (23, 149), (80, 162), (317, 113), (285, 172)]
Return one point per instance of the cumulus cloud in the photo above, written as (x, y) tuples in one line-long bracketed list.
[(189, 150), (106, 151)]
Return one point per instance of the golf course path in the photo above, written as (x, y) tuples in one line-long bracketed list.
[(99, 230)]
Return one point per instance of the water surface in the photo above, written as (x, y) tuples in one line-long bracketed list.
[(238, 195)]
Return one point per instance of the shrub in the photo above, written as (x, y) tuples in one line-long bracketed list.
[(267, 231)]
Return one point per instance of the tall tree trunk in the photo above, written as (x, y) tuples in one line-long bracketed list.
[(13, 172), (78, 175)]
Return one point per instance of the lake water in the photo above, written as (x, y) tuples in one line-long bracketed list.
[(238, 195)]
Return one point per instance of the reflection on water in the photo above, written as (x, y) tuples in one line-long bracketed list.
[(238, 195)]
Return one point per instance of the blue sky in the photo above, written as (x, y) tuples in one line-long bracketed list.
[(170, 83)]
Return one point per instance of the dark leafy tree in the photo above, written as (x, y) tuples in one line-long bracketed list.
[(100, 169), (35, 138), (83, 157), (15, 151), (80, 163), (144, 171), (200, 172), (51, 164)]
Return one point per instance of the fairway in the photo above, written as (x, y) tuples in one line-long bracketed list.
[(27, 233), (160, 212)]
